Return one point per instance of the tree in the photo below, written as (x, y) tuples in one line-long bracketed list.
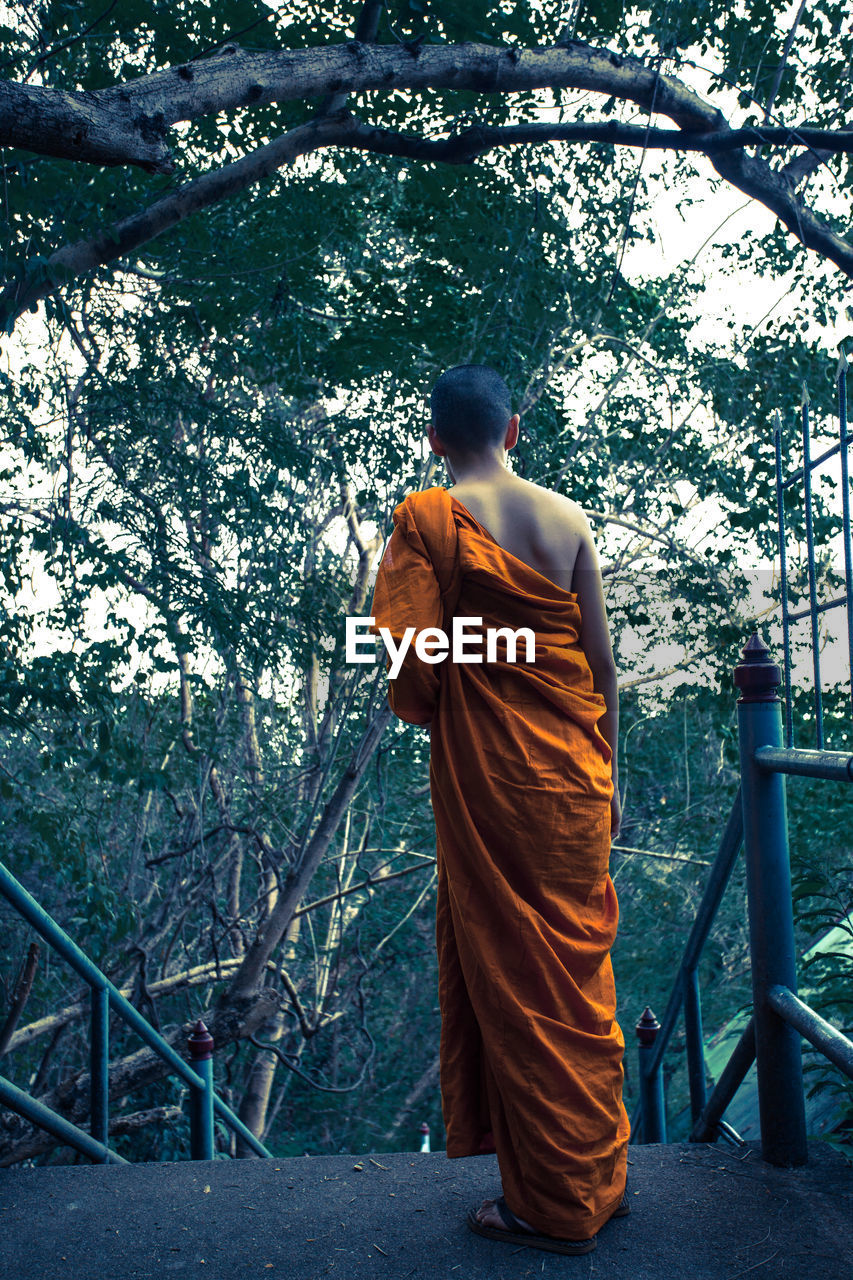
[(215, 436), (399, 53)]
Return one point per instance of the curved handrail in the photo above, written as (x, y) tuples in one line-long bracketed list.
[(25, 904), (718, 879)]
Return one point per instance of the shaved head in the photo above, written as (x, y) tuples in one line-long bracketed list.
[(471, 408)]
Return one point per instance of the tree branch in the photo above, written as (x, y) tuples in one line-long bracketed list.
[(23, 987), (38, 1142), (749, 174), (466, 145), (71, 1098), (776, 192), (370, 883), (247, 979), (708, 134), (198, 975), (130, 233), (783, 61), (128, 123)]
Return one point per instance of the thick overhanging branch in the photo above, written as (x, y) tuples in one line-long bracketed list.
[(776, 192), (125, 236), (129, 123), (77, 126), (467, 144), (722, 145)]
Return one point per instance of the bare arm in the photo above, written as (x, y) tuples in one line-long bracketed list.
[(595, 642)]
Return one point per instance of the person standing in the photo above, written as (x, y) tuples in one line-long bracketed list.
[(526, 801)]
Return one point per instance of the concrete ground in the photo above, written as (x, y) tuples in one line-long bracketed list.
[(698, 1213)]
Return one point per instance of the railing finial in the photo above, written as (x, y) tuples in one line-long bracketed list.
[(756, 675), (200, 1043), (648, 1027)]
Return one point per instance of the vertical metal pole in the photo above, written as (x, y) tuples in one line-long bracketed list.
[(99, 1065), (778, 1049), (783, 580), (200, 1045), (807, 490), (845, 506), (695, 1045), (651, 1086)]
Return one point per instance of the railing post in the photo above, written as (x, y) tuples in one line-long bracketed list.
[(778, 1050), (651, 1085), (695, 1041), (99, 1066), (200, 1045)]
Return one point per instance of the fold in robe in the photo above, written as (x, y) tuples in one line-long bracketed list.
[(520, 778)]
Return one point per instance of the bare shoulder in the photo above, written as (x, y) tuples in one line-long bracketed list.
[(519, 508), (555, 509), (543, 528)]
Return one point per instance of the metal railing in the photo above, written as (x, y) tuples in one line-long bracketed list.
[(654, 1037), (205, 1103), (772, 1037), (815, 607)]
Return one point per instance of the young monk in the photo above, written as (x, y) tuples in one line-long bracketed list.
[(523, 786)]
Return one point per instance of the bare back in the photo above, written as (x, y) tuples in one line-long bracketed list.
[(542, 528), (551, 534)]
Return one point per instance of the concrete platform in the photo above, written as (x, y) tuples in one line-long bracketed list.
[(698, 1213)]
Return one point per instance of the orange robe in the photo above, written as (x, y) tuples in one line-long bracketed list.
[(531, 1053)]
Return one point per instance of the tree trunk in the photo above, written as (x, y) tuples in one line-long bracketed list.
[(256, 1099)]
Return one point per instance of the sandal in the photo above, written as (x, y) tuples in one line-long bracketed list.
[(517, 1233)]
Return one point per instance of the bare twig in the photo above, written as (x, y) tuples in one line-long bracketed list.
[(288, 1061), (370, 883), (783, 61), (66, 44), (20, 997)]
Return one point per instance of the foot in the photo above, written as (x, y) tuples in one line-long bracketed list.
[(488, 1216), (496, 1220)]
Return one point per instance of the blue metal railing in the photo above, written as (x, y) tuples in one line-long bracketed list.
[(205, 1103), (772, 1037), (657, 1035), (815, 608)]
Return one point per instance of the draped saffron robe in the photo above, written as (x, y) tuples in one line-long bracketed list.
[(520, 779)]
